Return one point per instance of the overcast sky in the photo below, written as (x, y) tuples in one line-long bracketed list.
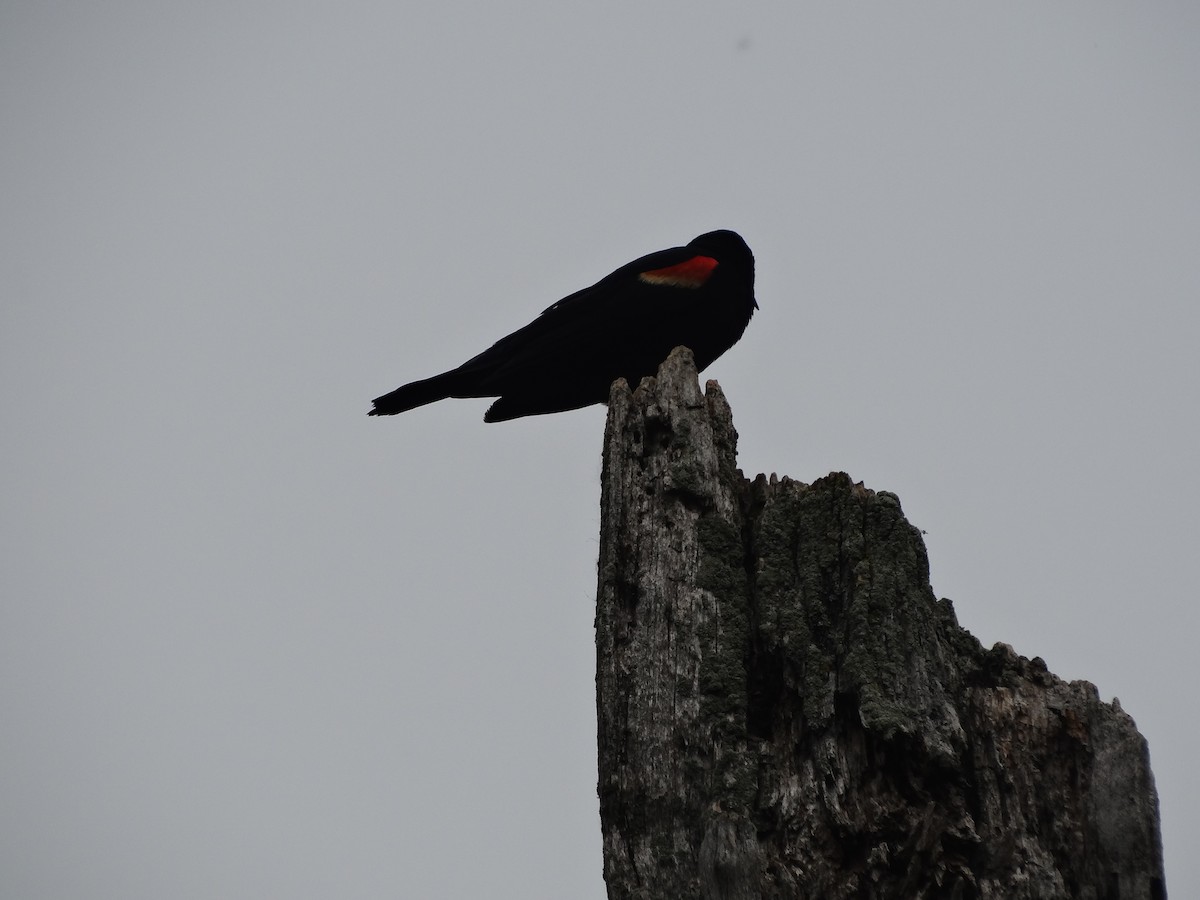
[(254, 643)]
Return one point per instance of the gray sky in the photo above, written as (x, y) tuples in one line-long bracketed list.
[(254, 643)]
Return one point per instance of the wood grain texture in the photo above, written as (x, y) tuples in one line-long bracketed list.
[(785, 709)]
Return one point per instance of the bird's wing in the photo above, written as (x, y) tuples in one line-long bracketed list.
[(657, 286)]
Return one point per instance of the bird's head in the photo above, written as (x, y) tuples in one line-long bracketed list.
[(728, 249)]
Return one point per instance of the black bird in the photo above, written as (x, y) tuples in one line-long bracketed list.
[(623, 326)]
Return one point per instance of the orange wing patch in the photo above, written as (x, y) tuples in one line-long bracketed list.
[(691, 273)]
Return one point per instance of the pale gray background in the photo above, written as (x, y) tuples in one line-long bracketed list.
[(256, 644)]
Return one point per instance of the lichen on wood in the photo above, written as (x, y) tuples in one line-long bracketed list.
[(785, 709)]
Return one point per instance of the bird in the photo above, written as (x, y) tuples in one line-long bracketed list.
[(700, 296)]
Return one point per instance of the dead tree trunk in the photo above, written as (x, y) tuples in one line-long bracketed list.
[(786, 710)]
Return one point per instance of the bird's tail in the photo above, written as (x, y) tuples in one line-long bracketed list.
[(418, 393)]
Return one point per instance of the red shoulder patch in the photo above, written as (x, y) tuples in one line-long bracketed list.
[(691, 273)]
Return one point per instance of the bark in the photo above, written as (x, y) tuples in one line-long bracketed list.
[(786, 710)]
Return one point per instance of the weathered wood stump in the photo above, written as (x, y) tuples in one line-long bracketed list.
[(786, 709)]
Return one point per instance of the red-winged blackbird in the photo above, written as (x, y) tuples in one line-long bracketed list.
[(623, 326)]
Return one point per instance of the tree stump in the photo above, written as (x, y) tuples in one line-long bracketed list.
[(787, 711)]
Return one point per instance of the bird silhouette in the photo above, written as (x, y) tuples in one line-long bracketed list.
[(700, 296)]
